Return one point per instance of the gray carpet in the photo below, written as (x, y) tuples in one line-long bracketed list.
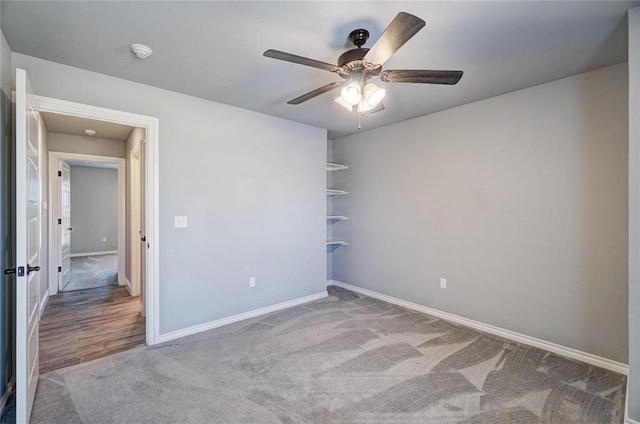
[(90, 272), (343, 359)]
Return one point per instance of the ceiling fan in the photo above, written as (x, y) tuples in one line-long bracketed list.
[(358, 66)]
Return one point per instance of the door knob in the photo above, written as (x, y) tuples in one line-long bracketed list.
[(31, 269), (69, 228), (9, 271)]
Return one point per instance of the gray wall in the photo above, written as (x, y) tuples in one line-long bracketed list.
[(7, 347), (520, 201), (634, 214), (252, 185), (97, 146), (94, 209)]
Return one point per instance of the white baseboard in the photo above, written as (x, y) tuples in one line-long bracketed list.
[(43, 302), (7, 394), (239, 317), (106, 252), (497, 331), (127, 284)]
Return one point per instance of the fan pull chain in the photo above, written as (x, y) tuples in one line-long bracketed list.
[(360, 121)]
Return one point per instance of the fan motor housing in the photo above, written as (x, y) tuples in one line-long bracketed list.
[(353, 55), (351, 61)]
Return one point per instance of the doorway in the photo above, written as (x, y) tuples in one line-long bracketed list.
[(87, 220), (94, 309), (89, 201), (149, 200), (30, 296)]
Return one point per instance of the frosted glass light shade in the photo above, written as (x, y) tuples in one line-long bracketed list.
[(373, 95), (351, 93), (344, 104)]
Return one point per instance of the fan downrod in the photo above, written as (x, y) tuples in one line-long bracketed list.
[(359, 36)]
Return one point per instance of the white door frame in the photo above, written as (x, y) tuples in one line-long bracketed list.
[(152, 126), (135, 257), (55, 243)]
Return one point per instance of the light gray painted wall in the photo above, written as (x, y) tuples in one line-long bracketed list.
[(7, 283), (520, 201), (634, 214), (70, 143), (94, 209), (252, 185)]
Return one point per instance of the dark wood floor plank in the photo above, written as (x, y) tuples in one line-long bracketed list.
[(84, 325)]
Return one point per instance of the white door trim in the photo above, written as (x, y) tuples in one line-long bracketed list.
[(152, 127), (55, 165)]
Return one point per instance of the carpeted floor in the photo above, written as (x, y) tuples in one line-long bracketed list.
[(343, 359), (90, 272)]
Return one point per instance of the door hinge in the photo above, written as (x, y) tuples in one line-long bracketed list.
[(59, 173), (59, 269), (20, 271), (59, 221)]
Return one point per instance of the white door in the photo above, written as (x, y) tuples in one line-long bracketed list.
[(65, 224), (27, 249)]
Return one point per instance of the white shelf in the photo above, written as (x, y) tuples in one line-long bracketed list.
[(335, 166), (337, 243), (335, 192), (337, 218)]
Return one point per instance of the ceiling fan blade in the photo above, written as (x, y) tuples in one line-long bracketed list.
[(316, 92), (400, 30), (288, 57), (421, 76)]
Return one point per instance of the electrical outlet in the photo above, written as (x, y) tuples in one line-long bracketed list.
[(252, 281), (443, 283), (104, 239), (181, 222)]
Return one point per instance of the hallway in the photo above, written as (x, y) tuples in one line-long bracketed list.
[(89, 272), (83, 325)]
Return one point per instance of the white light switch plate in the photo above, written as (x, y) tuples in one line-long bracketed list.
[(181, 222)]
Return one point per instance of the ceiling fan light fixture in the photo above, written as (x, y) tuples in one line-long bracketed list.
[(344, 104), (351, 93), (373, 94)]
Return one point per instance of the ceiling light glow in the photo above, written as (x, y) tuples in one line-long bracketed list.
[(373, 95), (351, 93)]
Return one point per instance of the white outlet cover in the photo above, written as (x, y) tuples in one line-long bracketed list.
[(181, 222), (443, 283)]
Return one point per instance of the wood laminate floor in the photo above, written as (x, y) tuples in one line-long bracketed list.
[(84, 325)]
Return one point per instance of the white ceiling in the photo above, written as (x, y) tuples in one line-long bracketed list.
[(214, 49), (73, 125)]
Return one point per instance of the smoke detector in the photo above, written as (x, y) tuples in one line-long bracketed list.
[(89, 132), (141, 51)]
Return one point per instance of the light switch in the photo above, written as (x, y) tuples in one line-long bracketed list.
[(181, 222)]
